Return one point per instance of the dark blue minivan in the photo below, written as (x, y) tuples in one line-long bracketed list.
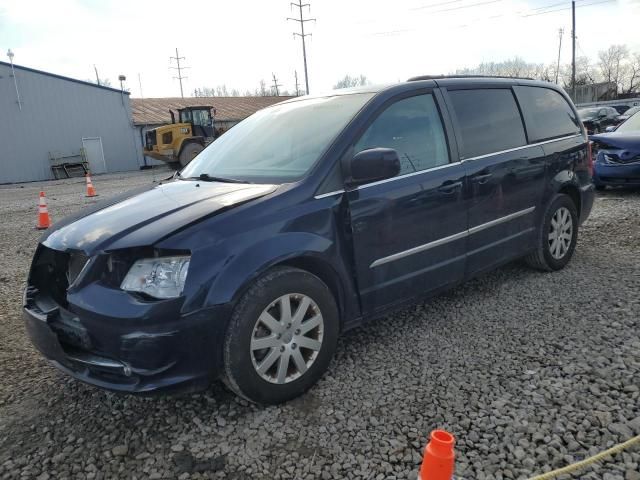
[(307, 219)]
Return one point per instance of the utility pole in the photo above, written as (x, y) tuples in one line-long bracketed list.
[(302, 35), (276, 85), (177, 58), (573, 49), (560, 32), (295, 73)]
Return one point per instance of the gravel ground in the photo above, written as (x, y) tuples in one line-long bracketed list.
[(529, 370)]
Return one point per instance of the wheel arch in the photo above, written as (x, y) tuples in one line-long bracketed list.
[(573, 192)]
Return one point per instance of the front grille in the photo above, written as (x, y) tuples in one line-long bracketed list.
[(616, 159), (49, 274), (53, 271)]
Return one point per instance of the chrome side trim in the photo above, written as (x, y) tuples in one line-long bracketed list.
[(380, 182), (498, 221), (450, 238), (328, 194), (418, 249), (515, 149)]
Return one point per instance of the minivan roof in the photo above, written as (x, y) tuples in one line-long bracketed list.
[(431, 80)]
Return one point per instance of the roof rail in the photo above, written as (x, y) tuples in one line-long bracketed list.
[(436, 77)]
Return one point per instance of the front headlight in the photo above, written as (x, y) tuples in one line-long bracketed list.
[(161, 277)]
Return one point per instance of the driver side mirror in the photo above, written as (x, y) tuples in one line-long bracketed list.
[(372, 165), (610, 128)]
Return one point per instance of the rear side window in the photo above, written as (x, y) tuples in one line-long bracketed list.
[(489, 121), (546, 113), (412, 127)]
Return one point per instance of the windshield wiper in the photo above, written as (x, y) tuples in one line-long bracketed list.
[(205, 177)]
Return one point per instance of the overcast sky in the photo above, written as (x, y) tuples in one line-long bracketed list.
[(237, 43)]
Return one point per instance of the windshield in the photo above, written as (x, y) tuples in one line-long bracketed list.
[(278, 144), (588, 112), (631, 125)]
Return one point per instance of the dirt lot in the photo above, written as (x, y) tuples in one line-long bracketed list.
[(529, 370)]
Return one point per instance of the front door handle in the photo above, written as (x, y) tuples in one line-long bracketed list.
[(450, 187), (481, 177)]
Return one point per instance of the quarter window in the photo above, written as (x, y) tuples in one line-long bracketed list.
[(412, 127), (546, 113), (489, 121)]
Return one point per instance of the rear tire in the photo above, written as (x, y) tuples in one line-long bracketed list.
[(188, 153), (281, 337), (557, 235)]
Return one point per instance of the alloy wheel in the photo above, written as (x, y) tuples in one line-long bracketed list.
[(560, 233), (287, 338)]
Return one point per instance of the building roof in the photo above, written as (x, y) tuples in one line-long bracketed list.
[(155, 111), (61, 77)]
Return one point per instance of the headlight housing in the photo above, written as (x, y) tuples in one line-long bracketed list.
[(162, 277)]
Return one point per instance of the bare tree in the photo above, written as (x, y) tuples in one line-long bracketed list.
[(219, 91), (348, 81), (611, 63), (586, 73), (514, 67), (631, 82), (104, 82)]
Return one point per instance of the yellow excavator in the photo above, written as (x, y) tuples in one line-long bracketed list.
[(180, 142)]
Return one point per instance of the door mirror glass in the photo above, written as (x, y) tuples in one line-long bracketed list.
[(372, 165)]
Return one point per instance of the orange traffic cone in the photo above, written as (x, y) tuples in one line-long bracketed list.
[(44, 221), (91, 191), (437, 463)]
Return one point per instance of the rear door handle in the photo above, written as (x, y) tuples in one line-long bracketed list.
[(450, 187), (481, 177)]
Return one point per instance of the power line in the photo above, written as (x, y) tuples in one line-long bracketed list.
[(302, 35), (569, 8), (518, 13), (177, 58)]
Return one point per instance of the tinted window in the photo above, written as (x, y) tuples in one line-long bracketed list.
[(547, 114), (413, 128), (489, 121)]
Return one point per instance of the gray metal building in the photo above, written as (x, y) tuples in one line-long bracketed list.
[(51, 120)]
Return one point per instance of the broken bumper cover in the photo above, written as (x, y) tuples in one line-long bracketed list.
[(155, 349)]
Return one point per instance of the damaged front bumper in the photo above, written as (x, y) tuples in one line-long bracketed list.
[(117, 341)]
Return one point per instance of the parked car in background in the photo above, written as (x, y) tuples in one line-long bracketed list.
[(621, 108), (307, 219), (617, 155), (597, 119), (628, 113)]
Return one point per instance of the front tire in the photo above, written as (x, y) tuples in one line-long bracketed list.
[(557, 235), (281, 338)]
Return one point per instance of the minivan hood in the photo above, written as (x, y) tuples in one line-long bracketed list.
[(141, 219)]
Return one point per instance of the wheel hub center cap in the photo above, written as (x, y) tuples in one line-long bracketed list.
[(287, 337)]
